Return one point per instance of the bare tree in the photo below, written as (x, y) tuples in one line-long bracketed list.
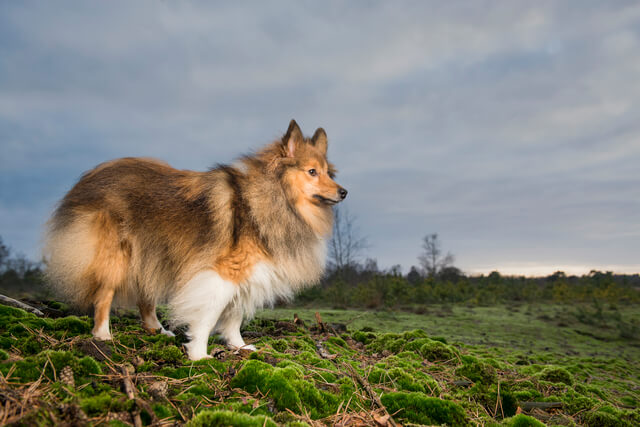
[(4, 254), (346, 245), (431, 258)]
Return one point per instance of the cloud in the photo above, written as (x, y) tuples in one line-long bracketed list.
[(510, 129)]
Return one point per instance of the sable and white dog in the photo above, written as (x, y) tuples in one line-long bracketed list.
[(216, 245)]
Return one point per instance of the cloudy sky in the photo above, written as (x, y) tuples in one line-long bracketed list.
[(510, 128)]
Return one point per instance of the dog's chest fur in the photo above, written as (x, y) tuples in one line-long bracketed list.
[(270, 281)]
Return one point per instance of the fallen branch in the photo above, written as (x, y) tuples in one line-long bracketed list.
[(527, 406), (19, 304), (323, 352)]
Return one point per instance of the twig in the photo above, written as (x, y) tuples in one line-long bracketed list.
[(498, 402), (365, 384), (130, 392), (320, 322)]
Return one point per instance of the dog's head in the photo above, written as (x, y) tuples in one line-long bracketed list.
[(309, 174)]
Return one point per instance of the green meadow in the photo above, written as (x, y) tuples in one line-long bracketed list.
[(455, 365)]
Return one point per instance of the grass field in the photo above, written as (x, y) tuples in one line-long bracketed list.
[(507, 365), (561, 330)]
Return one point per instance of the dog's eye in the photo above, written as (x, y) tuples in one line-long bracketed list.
[(312, 172)]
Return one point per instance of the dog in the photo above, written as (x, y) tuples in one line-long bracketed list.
[(214, 245)]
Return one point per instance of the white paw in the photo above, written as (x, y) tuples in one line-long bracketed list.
[(167, 333), (196, 351), (101, 336), (195, 357), (247, 347)]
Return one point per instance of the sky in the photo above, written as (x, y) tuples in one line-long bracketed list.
[(510, 128)]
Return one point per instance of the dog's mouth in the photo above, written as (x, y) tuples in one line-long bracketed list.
[(325, 200)]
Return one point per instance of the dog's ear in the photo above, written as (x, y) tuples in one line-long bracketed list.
[(292, 138), (319, 140)]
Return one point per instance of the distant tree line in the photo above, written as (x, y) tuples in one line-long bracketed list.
[(18, 274), (364, 286)]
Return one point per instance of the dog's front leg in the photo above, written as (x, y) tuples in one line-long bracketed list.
[(229, 327), (199, 304)]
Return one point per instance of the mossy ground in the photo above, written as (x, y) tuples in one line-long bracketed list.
[(484, 373)]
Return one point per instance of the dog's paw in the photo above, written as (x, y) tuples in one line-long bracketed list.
[(196, 357), (102, 337), (167, 332), (243, 347)]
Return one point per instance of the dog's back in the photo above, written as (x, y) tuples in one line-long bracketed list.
[(122, 228)]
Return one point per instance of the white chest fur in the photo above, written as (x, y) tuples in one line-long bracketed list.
[(270, 282)]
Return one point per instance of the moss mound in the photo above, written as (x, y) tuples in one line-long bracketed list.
[(286, 387), (417, 408), (556, 375), (608, 416), (399, 378), (522, 420), (209, 418), (50, 363), (477, 370)]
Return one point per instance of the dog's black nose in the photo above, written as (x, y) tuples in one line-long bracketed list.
[(343, 193)]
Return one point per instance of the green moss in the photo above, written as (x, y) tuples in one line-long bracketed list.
[(575, 402), (417, 381), (417, 408), (390, 342), (160, 338), (201, 387), (3, 355), (476, 370), (71, 324), (608, 416), (443, 340), (211, 418), (337, 341), (556, 374), (396, 342), (303, 344), (415, 334), (12, 313), (286, 387), (105, 402), (30, 368), (522, 420), (363, 337), (164, 353), (436, 351), (280, 345), (526, 395), (96, 404)]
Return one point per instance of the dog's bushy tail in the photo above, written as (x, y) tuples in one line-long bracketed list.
[(84, 254)]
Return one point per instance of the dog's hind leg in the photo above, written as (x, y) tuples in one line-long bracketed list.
[(149, 318), (102, 307), (229, 327), (107, 270), (199, 304)]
